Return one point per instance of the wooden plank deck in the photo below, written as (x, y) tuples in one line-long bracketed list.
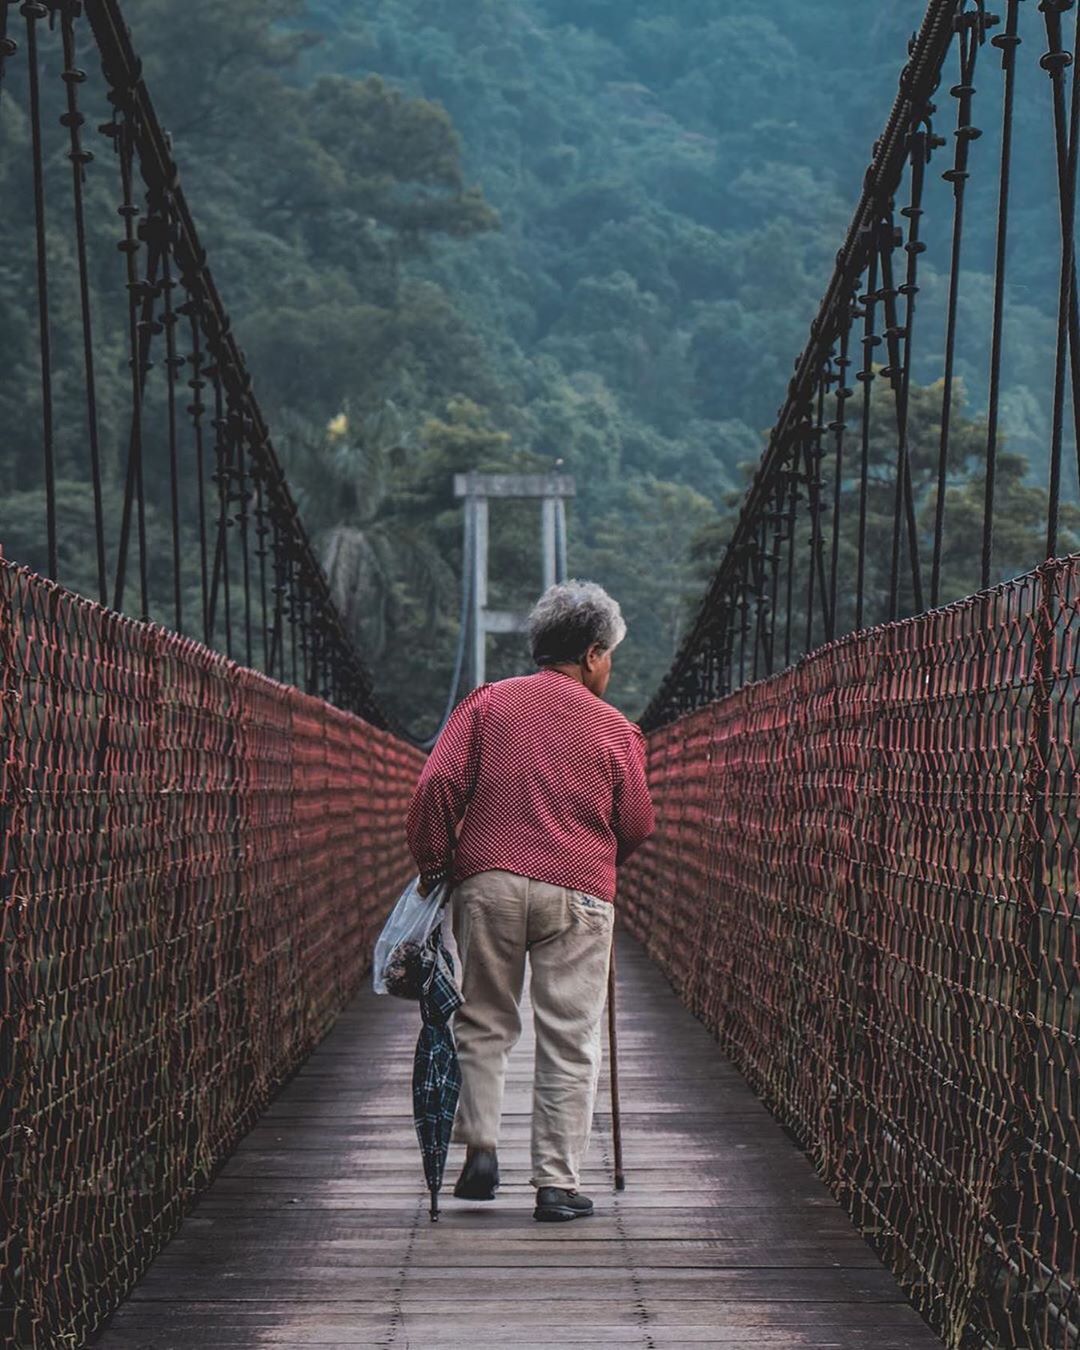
[(316, 1232)]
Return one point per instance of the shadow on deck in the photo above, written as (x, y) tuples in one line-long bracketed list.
[(316, 1231)]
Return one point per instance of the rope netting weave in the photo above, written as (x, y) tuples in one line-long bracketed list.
[(197, 861), (866, 881)]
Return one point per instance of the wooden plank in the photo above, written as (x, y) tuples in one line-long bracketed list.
[(316, 1234), (430, 1332), (359, 1282), (267, 1255), (296, 1225)]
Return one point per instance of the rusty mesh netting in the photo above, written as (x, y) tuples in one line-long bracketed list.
[(197, 861), (866, 880)]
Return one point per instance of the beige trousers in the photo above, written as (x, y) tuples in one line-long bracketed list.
[(498, 918)]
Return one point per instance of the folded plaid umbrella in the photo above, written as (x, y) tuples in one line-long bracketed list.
[(436, 1075)]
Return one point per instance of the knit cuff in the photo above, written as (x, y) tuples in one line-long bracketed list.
[(429, 880)]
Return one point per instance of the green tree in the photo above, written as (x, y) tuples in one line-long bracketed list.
[(641, 551), (1019, 513)]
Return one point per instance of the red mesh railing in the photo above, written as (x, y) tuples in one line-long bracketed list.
[(196, 862), (866, 881)]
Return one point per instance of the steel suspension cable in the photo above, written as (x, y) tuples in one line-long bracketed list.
[(1007, 43), (971, 37), (80, 157), (33, 12), (1056, 62)]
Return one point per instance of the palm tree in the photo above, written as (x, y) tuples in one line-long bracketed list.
[(384, 568)]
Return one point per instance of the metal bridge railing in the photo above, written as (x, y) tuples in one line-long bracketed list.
[(866, 873), (183, 512), (866, 881), (858, 509), (195, 856), (196, 862)]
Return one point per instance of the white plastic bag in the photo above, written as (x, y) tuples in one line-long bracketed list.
[(412, 921)]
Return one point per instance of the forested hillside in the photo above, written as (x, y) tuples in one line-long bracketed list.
[(672, 182), (497, 234)]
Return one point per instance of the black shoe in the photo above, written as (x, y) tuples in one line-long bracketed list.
[(479, 1178), (554, 1205)]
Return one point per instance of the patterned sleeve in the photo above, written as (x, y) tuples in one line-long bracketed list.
[(633, 817), (446, 783)]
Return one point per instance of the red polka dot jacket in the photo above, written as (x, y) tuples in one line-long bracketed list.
[(534, 775)]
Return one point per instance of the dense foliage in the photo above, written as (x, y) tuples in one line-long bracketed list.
[(496, 235)]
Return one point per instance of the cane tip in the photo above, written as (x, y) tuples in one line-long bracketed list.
[(620, 1183)]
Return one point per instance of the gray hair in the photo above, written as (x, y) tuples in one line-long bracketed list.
[(571, 617)]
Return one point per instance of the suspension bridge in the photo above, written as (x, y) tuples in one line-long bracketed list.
[(850, 955)]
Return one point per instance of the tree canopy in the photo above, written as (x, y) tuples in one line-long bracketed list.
[(494, 236)]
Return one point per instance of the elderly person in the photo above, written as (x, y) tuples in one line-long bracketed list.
[(534, 793)]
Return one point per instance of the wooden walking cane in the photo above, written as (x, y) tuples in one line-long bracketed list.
[(613, 1044)]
